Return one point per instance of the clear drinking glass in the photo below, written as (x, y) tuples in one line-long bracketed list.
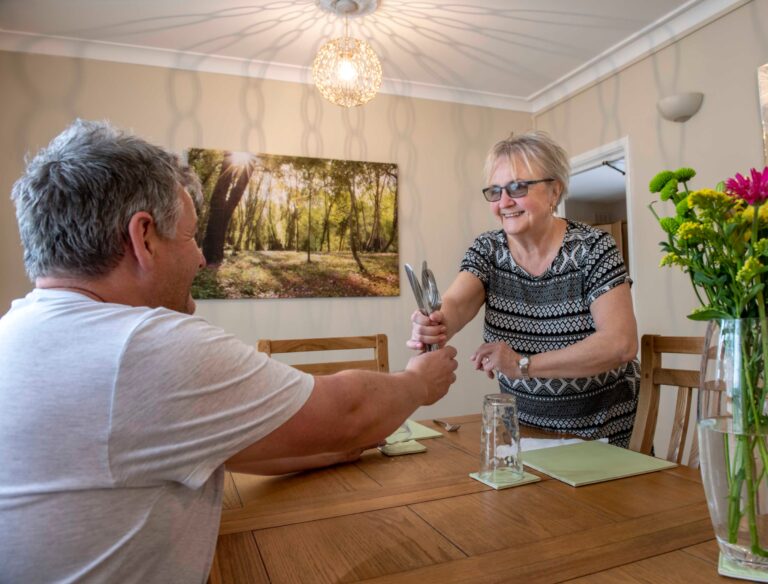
[(500, 439)]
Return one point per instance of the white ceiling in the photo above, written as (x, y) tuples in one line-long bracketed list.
[(518, 54), (601, 184)]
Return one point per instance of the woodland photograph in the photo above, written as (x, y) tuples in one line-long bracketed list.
[(295, 227)]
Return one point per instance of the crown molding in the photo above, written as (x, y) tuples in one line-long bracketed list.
[(686, 19), (679, 23), (155, 57)]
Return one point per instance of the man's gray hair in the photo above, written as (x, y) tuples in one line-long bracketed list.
[(76, 198), (532, 148)]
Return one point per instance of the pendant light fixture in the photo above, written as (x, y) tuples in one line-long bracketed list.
[(346, 70)]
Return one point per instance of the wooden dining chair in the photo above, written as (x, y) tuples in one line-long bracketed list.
[(376, 360), (377, 343), (654, 376)]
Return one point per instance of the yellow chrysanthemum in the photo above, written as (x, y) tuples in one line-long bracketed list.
[(671, 259), (708, 199), (749, 270), (748, 213), (761, 247), (691, 232)]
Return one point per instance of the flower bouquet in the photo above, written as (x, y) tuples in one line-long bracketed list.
[(719, 237)]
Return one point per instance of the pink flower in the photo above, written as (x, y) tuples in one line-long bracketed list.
[(752, 190)]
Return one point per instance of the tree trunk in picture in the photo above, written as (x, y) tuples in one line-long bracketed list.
[(393, 236), (309, 224), (249, 213), (226, 195), (354, 232)]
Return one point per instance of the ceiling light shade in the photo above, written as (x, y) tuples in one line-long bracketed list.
[(347, 72), (680, 107)]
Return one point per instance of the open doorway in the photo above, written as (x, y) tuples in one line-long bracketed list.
[(599, 194)]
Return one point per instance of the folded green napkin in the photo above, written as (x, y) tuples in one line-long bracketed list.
[(727, 567), (408, 447), (516, 482), (418, 432)]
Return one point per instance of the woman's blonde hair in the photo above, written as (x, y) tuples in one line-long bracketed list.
[(532, 148)]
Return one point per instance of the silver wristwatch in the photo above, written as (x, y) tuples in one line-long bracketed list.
[(523, 364)]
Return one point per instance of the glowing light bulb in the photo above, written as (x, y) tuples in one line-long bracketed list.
[(346, 70)]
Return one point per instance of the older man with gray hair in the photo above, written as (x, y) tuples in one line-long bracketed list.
[(118, 409)]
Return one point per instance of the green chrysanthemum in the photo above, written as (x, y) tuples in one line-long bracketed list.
[(749, 270), (669, 224), (682, 207), (669, 190), (658, 181), (684, 174)]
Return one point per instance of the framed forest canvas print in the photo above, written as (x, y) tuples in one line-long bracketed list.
[(295, 227)]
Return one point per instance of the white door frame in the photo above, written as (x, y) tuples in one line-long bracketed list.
[(594, 158)]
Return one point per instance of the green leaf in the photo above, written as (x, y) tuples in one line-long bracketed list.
[(702, 278), (708, 314)]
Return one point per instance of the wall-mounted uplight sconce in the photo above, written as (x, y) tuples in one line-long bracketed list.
[(680, 107)]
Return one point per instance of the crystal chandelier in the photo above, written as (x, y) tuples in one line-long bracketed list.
[(346, 70)]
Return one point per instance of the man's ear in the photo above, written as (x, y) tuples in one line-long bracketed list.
[(142, 239)]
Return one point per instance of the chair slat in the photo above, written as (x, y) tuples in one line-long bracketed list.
[(327, 344), (376, 343), (654, 376), (676, 377), (679, 425), (678, 345), (336, 366)]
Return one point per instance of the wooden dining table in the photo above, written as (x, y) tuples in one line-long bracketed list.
[(421, 519)]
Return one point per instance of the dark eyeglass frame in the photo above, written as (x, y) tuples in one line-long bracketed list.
[(515, 189)]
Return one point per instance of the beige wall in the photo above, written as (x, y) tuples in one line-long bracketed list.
[(725, 137), (438, 146)]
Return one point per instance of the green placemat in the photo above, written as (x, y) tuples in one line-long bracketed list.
[(523, 480), (591, 462), (727, 567)]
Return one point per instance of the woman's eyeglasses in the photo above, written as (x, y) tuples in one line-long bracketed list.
[(514, 189)]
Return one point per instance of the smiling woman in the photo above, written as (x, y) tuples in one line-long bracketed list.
[(560, 332)]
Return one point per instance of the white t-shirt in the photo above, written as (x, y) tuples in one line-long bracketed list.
[(114, 424)]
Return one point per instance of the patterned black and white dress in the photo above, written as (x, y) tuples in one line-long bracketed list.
[(551, 311)]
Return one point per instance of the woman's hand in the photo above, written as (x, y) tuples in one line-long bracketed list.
[(493, 357), (427, 331)]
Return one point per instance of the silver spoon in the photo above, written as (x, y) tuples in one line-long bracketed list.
[(447, 425)]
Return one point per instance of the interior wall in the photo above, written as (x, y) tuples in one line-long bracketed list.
[(439, 148), (724, 137), (592, 212)]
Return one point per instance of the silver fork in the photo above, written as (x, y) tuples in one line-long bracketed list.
[(434, 299), (447, 425)]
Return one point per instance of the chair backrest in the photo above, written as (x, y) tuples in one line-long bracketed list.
[(654, 376), (378, 344)]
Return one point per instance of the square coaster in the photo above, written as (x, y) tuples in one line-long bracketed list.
[(727, 567), (524, 480), (408, 447)]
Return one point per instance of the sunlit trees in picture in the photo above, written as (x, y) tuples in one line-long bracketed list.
[(294, 227)]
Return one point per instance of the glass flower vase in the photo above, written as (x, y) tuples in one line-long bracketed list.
[(732, 437)]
